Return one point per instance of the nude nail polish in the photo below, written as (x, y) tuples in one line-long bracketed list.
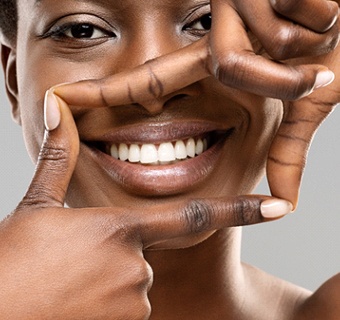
[(323, 79), (275, 208), (51, 111)]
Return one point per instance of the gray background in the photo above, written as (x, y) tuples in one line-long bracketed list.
[(302, 248)]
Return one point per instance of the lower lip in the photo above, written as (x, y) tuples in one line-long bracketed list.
[(160, 180)]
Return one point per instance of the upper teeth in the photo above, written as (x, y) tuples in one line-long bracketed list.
[(159, 154)]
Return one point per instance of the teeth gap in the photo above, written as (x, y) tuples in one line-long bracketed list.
[(160, 154)]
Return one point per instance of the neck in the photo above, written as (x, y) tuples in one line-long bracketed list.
[(202, 280)]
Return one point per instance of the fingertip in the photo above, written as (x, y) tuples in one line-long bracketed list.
[(276, 208), (52, 115), (323, 79)]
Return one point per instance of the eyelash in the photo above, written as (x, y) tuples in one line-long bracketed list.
[(199, 32), (60, 32), (65, 31)]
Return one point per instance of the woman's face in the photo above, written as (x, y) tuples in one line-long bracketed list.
[(66, 40)]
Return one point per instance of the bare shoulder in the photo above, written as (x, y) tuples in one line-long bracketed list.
[(271, 297), (285, 301), (324, 303)]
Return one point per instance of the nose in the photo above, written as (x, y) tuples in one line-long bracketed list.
[(145, 42)]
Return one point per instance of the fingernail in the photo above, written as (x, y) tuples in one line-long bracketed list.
[(51, 111), (323, 79), (275, 208)]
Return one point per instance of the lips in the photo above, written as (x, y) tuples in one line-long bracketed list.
[(160, 159)]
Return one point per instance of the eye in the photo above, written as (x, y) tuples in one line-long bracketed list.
[(79, 29), (85, 31), (200, 25), (203, 23)]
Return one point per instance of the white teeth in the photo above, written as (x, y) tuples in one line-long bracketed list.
[(114, 151), (199, 147), (123, 152), (148, 154), (191, 146), (180, 150), (165, 153), (134, 153)]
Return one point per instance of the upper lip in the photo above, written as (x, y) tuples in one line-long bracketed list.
[(155, 132)]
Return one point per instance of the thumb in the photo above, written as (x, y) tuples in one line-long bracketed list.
[(57, 156)]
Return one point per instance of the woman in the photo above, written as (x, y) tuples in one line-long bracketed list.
[(157, 157)]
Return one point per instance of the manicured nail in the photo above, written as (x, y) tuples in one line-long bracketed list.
[(51, 111), (275, 208), (323, 79)]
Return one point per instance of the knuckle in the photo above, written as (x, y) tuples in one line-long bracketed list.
[(54, 157), (155, 86), (140, 279), (52, 152), (230, 68), (103, 92), (197, 216), (116, 229), (143, 275), (247, 211), (41, 196), (284, 44)]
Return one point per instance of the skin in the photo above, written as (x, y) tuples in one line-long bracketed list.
[(67, 250)]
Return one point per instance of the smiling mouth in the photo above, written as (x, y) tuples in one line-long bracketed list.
[(155, 166), (163, 153)]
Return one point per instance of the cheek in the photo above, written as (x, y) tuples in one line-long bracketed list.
[(265, 121), (36, 74), (249, 154)]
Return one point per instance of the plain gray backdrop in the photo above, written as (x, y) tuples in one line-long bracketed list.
[(302, 248)]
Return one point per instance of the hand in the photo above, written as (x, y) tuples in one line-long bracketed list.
[(193, 63), (88, 263), (315, 32), (302, 118), (285, 29)]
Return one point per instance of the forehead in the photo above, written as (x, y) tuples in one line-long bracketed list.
[(118, 3), (30, 10), (33, 10)]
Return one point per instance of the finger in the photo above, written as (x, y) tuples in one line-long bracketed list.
[(232, 62), (57, 157), (288, 153), (283, 39), (150, 81), (197, 216), (235, 64), (317, 15)]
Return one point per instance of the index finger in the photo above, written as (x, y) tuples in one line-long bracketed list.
[(196, 216), (152, 80), (233, 64)]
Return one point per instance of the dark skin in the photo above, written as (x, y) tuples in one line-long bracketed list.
[(94, 261)]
